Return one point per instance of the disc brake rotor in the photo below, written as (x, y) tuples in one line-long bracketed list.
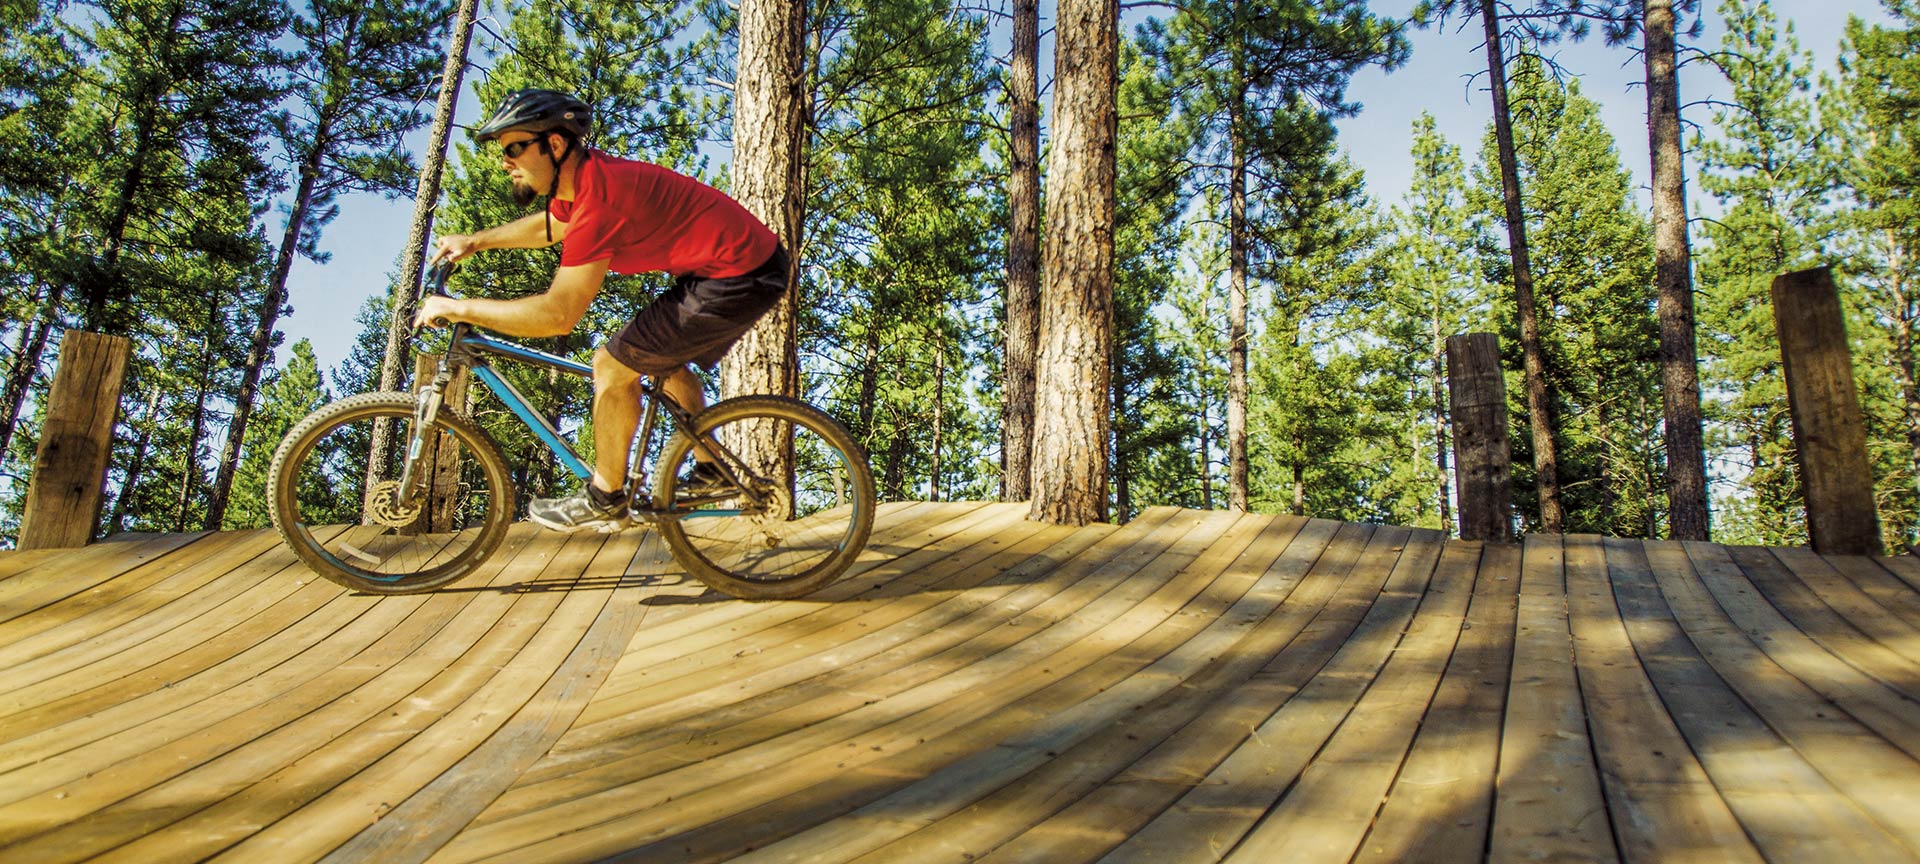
[(384, 510)]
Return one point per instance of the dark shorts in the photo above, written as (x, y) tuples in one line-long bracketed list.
[(698, 319)]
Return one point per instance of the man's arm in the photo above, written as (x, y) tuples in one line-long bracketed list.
[(553, 313), (526, 232)]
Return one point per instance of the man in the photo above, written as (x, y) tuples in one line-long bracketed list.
[(613, 214)]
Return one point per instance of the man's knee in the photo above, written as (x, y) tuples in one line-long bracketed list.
[(608, 371)]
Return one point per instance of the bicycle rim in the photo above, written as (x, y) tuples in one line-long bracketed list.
[(817, 487), (363, 534)]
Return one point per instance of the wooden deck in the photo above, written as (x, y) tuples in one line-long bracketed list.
[(1188, 687)]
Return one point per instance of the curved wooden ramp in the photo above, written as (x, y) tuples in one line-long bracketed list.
[(1189, 687)]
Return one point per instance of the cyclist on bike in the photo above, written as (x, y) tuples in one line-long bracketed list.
[(619, 215)]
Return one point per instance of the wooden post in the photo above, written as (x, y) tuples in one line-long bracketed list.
[(1482, 459), (70, 468), (1829, 434)]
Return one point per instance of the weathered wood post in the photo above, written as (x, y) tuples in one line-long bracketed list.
[(1482, 459), (70, 467), (1829, 433)]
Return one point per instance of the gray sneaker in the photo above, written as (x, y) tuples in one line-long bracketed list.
[(578, 512)]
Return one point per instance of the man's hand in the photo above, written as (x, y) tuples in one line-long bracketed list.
[(436, 311), (453, 247)]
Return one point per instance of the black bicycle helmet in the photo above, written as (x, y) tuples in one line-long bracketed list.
[(537, 111)]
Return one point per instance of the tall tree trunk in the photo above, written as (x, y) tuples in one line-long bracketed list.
[(1546, 462), (1437, 385), (1023, 257), (426, 196), (769, 147), (869, 386), (1673, 278), (1904, 315), (1237, 307), (190, 477), (26, 363), (939, 414), (135, 465), (1070, 440), (262, 342)]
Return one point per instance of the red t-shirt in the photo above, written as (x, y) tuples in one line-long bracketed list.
[(648, 218)]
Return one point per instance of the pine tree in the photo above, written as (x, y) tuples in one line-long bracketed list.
[(1237, 64), (363, 72), (288, 395), (1874, 119), (1590, 251), (1767, 170), (1436, 293)]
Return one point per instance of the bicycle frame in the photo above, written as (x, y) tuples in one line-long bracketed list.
[(471, 350)]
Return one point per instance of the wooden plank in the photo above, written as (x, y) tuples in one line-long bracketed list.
[(1326, 815), (1036, 770), (126, 597), (1873, 578), (234, 586), (76, 438), (427, 819), (735, 768), (174, 778), (1732, 574), (64, 573), (333, 818), (763, 636), (1337, 658), (1906, 567), (1440, 808), (637, 710), (1074, 700), (1549, 805), (1842, 616), (1186, 740), (275, 774), (842, 633), (1709, 674), (163, 651), (1660, 797), (907, 655)]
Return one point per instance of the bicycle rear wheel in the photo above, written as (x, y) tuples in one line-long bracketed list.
[(369, 538), (815, 481)]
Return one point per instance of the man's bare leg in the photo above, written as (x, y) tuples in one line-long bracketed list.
[(616, 416), (616, 413)]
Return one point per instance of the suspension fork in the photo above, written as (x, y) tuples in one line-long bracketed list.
[(426, 410)]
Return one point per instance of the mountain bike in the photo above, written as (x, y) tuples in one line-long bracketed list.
[(396, 493)]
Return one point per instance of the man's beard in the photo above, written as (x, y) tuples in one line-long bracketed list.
[(523, 194)]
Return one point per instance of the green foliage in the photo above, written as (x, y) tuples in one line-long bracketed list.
[(290, 394), (899, 249), (1771, 176), (1872, 117), (1593, 269)]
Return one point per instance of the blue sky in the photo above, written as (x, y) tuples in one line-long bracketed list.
[(365, 240)]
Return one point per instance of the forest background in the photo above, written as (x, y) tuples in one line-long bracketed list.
[(224, 182)]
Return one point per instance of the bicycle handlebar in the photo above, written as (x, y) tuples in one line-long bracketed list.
[(436, 285)]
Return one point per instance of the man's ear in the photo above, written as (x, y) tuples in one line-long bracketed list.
[(559, 145)]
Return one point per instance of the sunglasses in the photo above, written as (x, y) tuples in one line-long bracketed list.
[(514, 150)]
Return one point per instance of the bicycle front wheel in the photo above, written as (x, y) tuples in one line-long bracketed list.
[(377, 537), (813, 485)]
